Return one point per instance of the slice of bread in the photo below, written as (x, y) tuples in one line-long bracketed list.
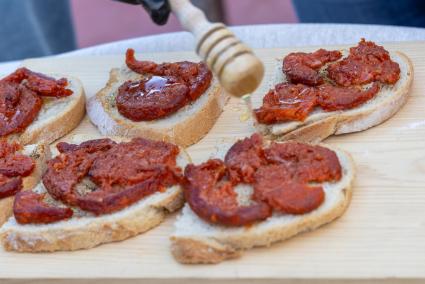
[(85, 230), (185, 127), (320, 124), (196, 241), (57, 117), (40, 153)]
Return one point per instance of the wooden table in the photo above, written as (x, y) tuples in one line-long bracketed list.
[(381, 236)]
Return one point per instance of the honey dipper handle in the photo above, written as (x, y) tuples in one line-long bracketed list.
[(235, 65)]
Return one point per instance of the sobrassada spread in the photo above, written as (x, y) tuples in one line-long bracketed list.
[(20, 98), (281, 175), (287, 102), (367, 62), (13, 167), (29, 208), (101, 177), (166, 88), (341, 87), (301, 67)]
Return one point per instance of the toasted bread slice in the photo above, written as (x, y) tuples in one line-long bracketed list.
[(320, 124), (85, 230), (57, 117), (196, 241), (40, 153), (185, 127)]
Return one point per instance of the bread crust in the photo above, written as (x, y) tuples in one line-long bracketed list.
[(40, 153), (214, 248), (184, 130), (99, 231), (348, 121)]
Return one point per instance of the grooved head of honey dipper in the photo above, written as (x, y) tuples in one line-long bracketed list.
[(242, 74)]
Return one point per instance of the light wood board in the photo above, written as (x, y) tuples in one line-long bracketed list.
[(381, 236)]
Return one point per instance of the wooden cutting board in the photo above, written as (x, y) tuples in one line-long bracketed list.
[(381, 236)]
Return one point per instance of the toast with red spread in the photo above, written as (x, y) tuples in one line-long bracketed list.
[(318, 94), (97, 191), (259, 193), (21, 168), (35, 108), (176, 102)]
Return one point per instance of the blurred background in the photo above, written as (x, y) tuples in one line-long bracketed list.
[(31, 28), (116, 20)]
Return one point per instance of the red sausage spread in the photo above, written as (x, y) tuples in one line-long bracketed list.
[(13, 167), (167, 88), (331, 98), (301, 67), (101, 177), (20, 100), (280, 175), (122, 173), (211, 195), (366, 63), (151, 98), (287, 102), (244, 158), (305, 163), (343, 88), (30, 208), (295, 102), (275, 186)]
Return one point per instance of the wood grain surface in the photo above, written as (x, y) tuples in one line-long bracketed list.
[(380, 237)]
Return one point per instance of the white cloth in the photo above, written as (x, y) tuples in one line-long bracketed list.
[(257, 36)]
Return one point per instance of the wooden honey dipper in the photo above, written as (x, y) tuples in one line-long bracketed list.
[(235, 65)]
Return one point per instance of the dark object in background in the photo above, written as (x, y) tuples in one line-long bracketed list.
[(159, 10), (384, 12), (31, 28)]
